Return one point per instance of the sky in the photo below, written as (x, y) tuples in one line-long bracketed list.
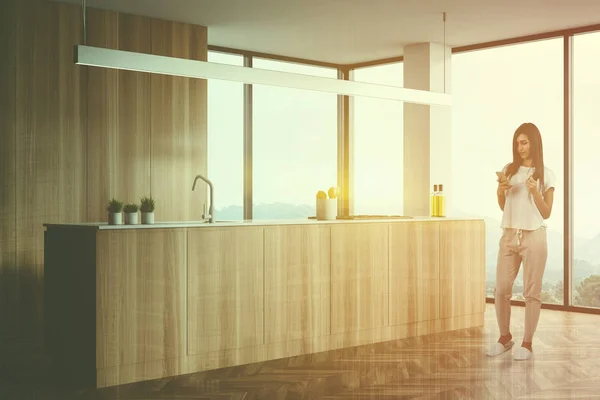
[(493, 91)]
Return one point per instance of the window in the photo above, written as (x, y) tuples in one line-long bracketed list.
[(494, 91), (379, 145), (226, 141), (586, 185), (385, 74), (294, 145)]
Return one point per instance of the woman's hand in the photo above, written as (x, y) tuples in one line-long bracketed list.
[(503, 185), (531, 185)]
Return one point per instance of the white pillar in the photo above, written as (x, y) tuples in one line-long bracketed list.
[(426, 128)]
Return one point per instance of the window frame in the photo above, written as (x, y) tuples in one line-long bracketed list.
[(344, 118)]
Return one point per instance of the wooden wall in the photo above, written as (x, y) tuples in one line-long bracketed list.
[(73, 137), (8, 168)]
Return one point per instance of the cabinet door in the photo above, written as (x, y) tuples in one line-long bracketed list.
[(359, 276), (140, 296), (297, 280), (225, 288), (462, 268), (414, 272)]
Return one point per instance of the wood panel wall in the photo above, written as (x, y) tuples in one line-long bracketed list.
[(8, 167), (73, 137)]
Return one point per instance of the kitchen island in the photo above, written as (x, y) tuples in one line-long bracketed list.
[(129, 303)]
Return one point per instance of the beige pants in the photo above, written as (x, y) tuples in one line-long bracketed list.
[(518, 246)]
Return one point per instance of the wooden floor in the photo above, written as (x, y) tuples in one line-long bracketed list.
[(566, 365)]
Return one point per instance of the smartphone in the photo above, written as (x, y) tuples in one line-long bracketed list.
[(501, 176)]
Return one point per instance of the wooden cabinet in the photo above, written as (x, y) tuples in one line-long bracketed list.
[(140, 296), (127, 305), (414, 272), (114, 298), (225, 293), (297, 282), (359, 277), (462, 268)]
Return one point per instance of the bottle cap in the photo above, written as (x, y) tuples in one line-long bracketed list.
[(441, 187), (435, 188)]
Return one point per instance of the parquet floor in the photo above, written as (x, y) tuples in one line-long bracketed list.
[(566, 365)]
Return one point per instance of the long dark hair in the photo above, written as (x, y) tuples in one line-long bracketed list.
[(536, 152)]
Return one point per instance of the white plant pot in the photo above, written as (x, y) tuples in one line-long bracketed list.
[(147, 218), (326, 209), (115, 218), (131, 218)]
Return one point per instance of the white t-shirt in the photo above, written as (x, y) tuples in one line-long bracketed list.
[(520, 211)]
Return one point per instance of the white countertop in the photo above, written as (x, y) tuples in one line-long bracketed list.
[(218, 224)]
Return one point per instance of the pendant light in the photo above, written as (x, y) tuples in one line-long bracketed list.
[(155, 64)]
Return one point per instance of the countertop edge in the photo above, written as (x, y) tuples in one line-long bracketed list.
[(195, 224)]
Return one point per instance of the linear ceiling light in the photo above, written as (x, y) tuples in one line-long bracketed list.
[(125, 60)]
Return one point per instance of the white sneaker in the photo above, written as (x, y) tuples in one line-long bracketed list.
[(497, 348), (523, 354)]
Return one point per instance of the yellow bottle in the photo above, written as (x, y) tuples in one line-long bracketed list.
[(434, 201), (440, 202)]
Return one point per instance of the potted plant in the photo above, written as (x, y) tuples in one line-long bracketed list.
[(147, 209), (131, 214), (114, 208), (327, 207)]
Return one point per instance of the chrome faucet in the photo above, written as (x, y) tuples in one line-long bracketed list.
[(210, 215)]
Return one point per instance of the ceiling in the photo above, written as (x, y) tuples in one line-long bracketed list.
[(353, 31)]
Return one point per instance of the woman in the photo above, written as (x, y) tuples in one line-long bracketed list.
[(525, 195)]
